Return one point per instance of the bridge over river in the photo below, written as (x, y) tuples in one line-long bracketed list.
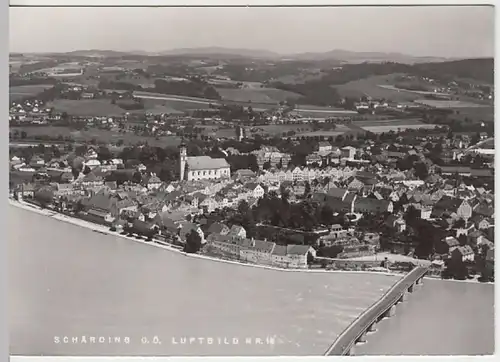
[(384, 307)]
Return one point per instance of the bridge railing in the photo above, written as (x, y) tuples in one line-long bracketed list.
[(364, 320)]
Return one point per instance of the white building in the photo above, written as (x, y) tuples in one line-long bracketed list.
[(202, 167)]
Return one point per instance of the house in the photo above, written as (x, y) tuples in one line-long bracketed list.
[(324, 147), (462, 254), (369, 205), (243, 174), (348, 152), (256, 190), (26, 190), (480, 222), (91, 180), (237, 232), (91, 154), (449, 205), (209, 204), (313, 158), (337, 231), (223, 244), (355, 185), (296, 256), (258, 251), (446, 245), (153, 182), (218, 228)]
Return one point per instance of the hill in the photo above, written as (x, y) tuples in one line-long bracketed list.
[(481, 69), (221, 52), (360, 57)]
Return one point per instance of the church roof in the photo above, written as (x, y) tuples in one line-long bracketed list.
[(206, 163)]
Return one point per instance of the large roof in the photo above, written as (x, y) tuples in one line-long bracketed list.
[(206, 163)]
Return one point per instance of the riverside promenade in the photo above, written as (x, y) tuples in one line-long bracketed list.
[(385, 307)]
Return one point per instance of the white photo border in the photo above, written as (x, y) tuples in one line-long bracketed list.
[(4, 31)]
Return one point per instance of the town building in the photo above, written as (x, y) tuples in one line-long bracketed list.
[(202, 167)]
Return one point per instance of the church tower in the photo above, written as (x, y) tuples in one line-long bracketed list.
[(182, 159)]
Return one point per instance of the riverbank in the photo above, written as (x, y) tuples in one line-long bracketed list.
[(105, 230)]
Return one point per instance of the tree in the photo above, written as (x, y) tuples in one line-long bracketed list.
[(411, 214), (243, 207), (193, 242), (310, 258), (462, 239), (104, 154), (44, 197), (460, 223), (307, 189), (421, 170)]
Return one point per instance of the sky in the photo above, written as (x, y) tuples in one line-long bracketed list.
[(461, 32)]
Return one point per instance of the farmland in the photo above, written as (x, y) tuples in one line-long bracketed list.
[(258, 95), (18, 92), (376, 87), (87, 107), (99, 135), (390, 122), (449, 104)]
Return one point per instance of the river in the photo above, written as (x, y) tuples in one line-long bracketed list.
[(67, 281), (442, 318)]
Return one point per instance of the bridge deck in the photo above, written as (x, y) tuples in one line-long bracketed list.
[(346, 340)]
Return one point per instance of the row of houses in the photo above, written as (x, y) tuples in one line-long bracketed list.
[(260, 252)]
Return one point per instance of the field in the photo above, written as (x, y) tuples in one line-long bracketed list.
[(99, 134), (269, 130), (379, 126), (257, 95), (449, 104), (376, 87), (87, 107), (389, 122), (22, 91), (393, 88), (323, 112)]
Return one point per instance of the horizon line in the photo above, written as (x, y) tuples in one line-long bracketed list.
[(272, 53)]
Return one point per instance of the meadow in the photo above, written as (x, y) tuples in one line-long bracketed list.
[(100, 135), (449, 104), (396, 127), (389, 122), (87, 107), (21, 91), (257, 95), (376, 87)]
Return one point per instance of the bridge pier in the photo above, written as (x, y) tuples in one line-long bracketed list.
[(350, 352), (411, 289), (362, 338), (403, 298), (391, 312), (372, 327)]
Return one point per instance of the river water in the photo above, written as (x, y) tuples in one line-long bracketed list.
[(441, 318), (102, 291)]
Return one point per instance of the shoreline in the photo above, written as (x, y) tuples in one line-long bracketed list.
[(105, 230)]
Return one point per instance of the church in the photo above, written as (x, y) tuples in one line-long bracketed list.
[(202, 167)]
